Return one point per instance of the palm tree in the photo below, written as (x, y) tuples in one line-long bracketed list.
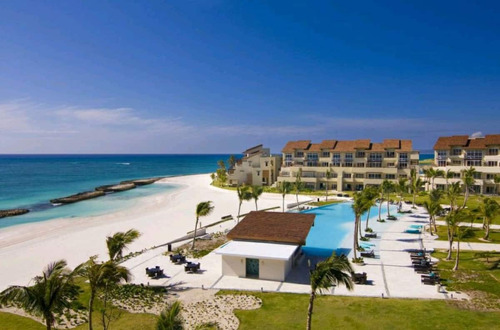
[(284, 188), (437, 174), (496, 179), (435, 200), (100, 276), (232, 161), (221, 164), (387, 187), (299, 185), (429, 173), (170, 318), (455, 218), (244, 194), (401, 188), (202, 210), (328, 175), (489, 209), (370, 194), (448, 175), (336, 270), (119, 241), (454, 190), (51, 294), (468, 181), (256, 192), (360, 205), (380, 201)]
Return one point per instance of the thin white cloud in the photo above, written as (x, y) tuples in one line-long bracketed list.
[(476, 135)]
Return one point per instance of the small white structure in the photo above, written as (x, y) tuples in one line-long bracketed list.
[(265, 245)]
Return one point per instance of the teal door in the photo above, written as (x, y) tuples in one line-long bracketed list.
[(252, 267)]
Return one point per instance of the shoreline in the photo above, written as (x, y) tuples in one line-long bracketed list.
[(160, 218)]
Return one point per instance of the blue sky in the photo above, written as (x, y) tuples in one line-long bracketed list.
[(221, 76)]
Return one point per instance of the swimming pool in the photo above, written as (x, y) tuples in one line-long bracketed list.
[(334, 223)]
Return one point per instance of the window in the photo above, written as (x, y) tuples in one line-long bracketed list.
[(360, 164), (473, 163), (456, 151), (474, 154), (441, 162), (324, 164), (493, 152), (258, 173), (288, 157), (492, 163), (374, 176), (336, 156), (267, 164), (299, 154), (347, 164), (348, 156), (403, 156), (375, 157), (390, 164), (360, 154), (389, 154), (390, 176), (359, 175), (325, 154), (456, 162), (477, 175), (456, 175), (490, 176), (442, 153), (347, 175), (312, 156), (374, 164)]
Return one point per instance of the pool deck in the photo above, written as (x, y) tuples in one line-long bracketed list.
[(390, 273)]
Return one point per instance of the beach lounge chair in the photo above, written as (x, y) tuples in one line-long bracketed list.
[(154, 272), (369, 254), (413, 231), (371, 235), (192, 267), (177, 258), (359, 278)]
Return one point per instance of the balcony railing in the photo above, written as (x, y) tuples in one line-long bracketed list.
[(473, 156)]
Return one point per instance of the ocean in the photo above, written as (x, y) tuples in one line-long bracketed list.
[(30, 181)]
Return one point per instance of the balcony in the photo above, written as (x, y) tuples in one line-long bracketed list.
[(473, 156)]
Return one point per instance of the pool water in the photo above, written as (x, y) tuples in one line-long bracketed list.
[(332, 225)]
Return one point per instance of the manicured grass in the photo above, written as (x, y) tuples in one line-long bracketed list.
[(472, 235), (476, 274), (288, 311), (324, 203), (10, 321)]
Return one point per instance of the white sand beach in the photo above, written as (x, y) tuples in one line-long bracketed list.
[(26, 249)]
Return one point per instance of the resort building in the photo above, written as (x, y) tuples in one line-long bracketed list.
[(265, 245), (347, 165), (257, 168), (460, 152)]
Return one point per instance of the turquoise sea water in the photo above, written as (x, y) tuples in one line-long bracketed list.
[(332, 224), (30, 181)]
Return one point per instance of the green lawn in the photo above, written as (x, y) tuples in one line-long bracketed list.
[(288, 311), (10, 321), (476, 275), (471, 235)]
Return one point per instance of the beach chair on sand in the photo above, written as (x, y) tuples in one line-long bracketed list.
[(371, 235), (192, 267), (359, 278), (369, 254)]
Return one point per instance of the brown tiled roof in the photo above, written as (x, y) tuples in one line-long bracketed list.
[(273, 227), (406, 145), (392, 144), (253, 149), (328, 144), (377, 147), (362, 144), (477, 143), (492, 139), (293, 145), (343, 146), (446, 142), (314, 147)]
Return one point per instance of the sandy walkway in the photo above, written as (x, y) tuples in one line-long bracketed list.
[(26, 249)]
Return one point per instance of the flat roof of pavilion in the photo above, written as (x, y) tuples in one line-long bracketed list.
[(277, 227), (257, 250)]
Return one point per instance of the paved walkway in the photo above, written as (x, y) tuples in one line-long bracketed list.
[(390, 274)]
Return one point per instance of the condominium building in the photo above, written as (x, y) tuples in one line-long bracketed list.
[(460, 152), (347, 165), (258, 167)]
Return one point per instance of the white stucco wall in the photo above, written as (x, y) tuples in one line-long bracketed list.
[(233, 266), (273, 270)]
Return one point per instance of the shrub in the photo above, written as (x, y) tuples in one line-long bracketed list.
[(369, 230)]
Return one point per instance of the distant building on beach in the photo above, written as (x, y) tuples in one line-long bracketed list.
[(347, 165), (258, 167), (460, 152), (265, 245)]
